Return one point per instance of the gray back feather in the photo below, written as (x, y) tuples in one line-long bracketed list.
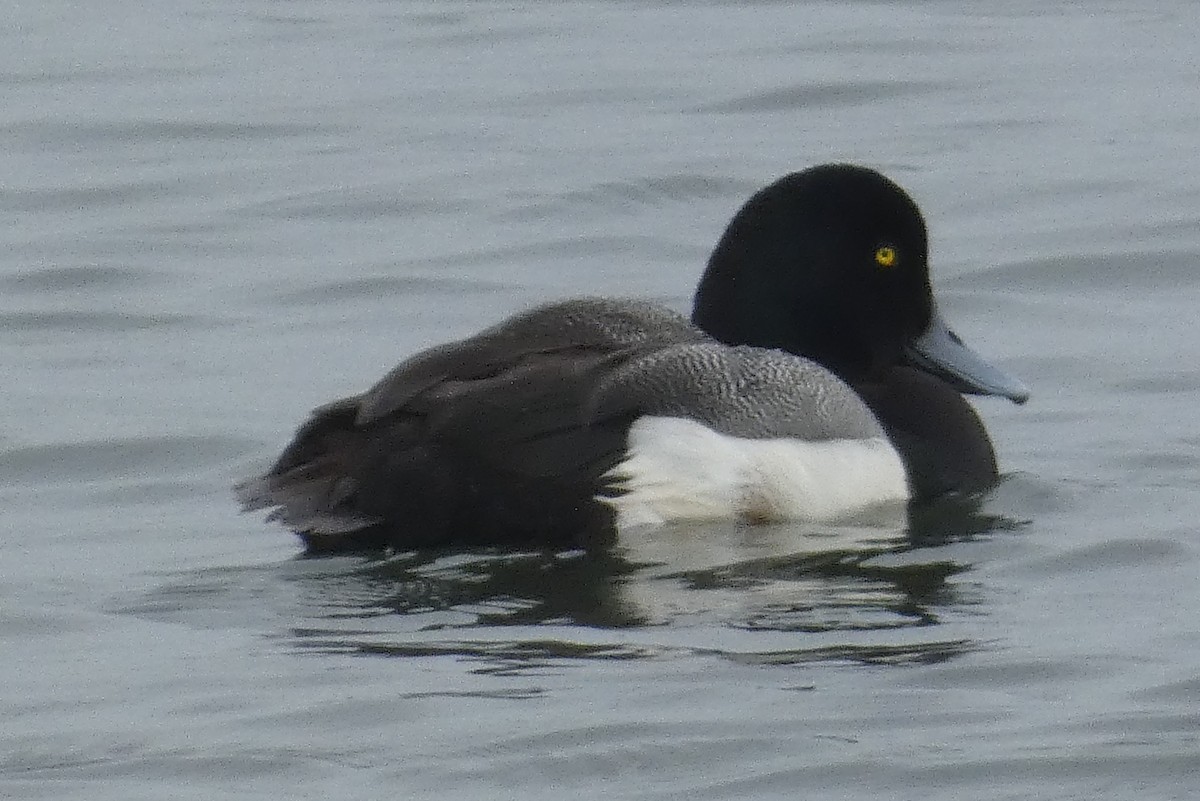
[(740, 391)]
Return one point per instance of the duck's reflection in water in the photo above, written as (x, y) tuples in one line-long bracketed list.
[(870, 592)]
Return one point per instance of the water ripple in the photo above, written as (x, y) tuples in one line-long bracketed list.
[(635, 195), (92, 277), (161, 456), (72, 198), (388, 286), (94, 133), (1093, 272), (647, 247), (819, 95), (358, 204), (96, 321)]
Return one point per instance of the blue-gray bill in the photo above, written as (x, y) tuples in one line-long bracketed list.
[(939, 351)]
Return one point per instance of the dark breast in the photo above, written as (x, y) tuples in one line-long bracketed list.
[(941, 439)]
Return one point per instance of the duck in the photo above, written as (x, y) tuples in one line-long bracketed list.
[(814, 379)]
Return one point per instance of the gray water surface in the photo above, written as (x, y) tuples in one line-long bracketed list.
[(223, 215)]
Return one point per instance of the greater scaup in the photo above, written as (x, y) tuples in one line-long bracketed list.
[(814, 380)]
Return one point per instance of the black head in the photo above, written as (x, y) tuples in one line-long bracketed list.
[(830, 263)]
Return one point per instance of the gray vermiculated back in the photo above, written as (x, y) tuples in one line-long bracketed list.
[(672, 369), (740, 391)]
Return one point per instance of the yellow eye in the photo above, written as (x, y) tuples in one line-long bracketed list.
[(885, 256)]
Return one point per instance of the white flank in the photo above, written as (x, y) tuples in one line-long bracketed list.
[(679, 469)]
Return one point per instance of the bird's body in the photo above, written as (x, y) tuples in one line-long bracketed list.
[(787, 396)]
